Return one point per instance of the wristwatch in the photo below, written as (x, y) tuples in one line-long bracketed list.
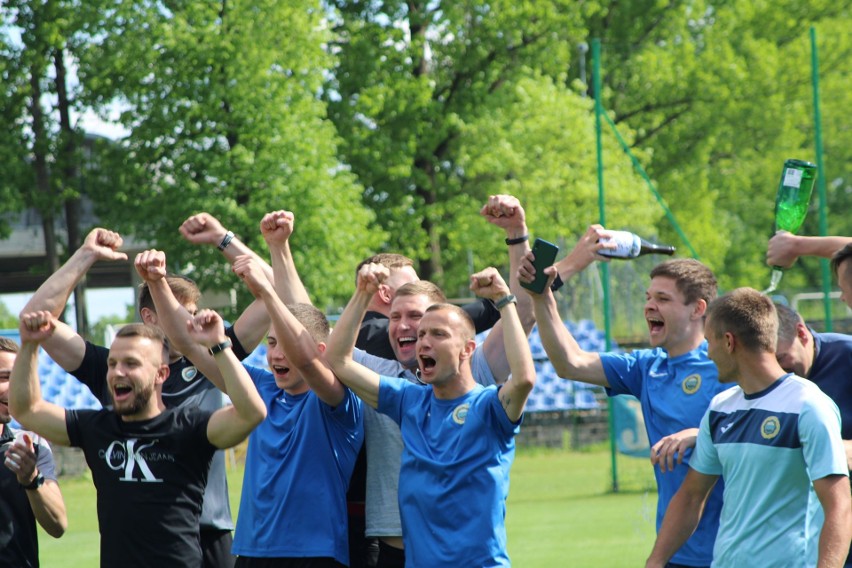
[(36, 483), (219, 347)]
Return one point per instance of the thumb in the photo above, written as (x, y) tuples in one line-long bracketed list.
[(28, 441)]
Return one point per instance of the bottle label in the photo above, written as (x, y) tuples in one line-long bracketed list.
[(627, 245), (793, 178)]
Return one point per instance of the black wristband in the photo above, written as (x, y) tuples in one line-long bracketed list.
[(219, 347), (36, 483), (226, 240), (557, 283), (518, 240), (505, 301)]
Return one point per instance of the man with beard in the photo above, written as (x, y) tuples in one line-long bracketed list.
[(674, 380), (193, 380), (149, 463), (29, 491)]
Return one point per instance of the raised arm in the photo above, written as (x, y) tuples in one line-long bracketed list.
[(785, 248), (584, 253), (276, 228), (204, 228), (568, 359), (302, 351), (46, 499), (67, 348), (833, 494), (172, 316), (362, 381), (25, 401), (230, 425), (682, 516), (513, 394)]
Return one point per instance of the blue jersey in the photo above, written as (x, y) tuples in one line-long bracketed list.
[(674, 393), (298, 465), (454, 477), (832, 373), (770, 446)]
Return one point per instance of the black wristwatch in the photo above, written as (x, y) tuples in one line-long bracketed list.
[(36, 483)]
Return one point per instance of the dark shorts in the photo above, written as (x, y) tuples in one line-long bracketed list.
[(381, 555), (216, 548), (249, 562)]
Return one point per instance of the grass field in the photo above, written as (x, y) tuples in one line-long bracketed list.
[(560, 513)]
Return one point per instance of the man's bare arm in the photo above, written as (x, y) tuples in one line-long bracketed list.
[(230, 425), (341, 343), (785, 248), (277, 227), (682, 516), (514, 393), (25, 400), (302, 351), (833, 494), (568, 359)]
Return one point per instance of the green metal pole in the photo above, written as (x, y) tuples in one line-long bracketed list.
[(821, 177), (596, 65)]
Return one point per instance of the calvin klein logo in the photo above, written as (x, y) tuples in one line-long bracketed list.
[(126, 456)]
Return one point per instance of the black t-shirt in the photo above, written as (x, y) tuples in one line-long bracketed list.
[(185, 386), (18, 537), (150, 477)]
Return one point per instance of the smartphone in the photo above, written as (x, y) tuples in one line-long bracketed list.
[(545, 255)]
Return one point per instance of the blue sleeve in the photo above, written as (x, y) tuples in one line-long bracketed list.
[(705, 458), (819, 432), (391, 395), (624, 373), (348, 413), (500, 418)]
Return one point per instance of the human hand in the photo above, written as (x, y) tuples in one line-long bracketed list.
[(489, 284), (36, 327), (150, 265), (371, 276), (277, 226), (206, 328), (203, 228), (663, 452), (21, 458), (104, 244), (251, 272), (781, 250), (506, 212)]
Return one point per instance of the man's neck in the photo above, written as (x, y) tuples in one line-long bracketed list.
[(151, 411), (460, 385), (758, 372), (685, 346)]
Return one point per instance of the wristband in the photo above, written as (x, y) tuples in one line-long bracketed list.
[(219, 347), (226, 240), (36, 483), (517, 240), (557, 283), (505, 301)]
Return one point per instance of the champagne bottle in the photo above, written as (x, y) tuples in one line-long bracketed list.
[(791, 203), (631, 245)]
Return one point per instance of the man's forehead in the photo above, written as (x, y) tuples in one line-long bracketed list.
[(663, 285), (406, 303), (135, 343)]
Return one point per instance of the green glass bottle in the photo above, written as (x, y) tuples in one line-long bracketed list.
[(791, 203)]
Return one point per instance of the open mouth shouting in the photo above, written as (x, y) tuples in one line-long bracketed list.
[(280, 371), (121, 392)]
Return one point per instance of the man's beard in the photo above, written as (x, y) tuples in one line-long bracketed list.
[(140, 401)]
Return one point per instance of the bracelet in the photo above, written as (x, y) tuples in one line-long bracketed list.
[(226, 240), (505, 301), (517, 240), (219, 347)]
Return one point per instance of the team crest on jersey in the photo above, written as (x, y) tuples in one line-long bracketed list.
[(460, 413), (189, 373), (691, 384), (770, 428)]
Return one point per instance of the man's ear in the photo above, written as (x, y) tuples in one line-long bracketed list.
[(321, 346), (802, 334), (730, 341), (148, 316), (162, 374), (468, 349), (700, 308), (385, 293)]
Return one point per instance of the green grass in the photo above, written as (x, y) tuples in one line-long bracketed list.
[(560, 513)]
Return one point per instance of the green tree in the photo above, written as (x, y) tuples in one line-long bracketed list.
[(221, 102)]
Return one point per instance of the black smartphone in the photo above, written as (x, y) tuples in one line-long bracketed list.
[(545, 255)]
